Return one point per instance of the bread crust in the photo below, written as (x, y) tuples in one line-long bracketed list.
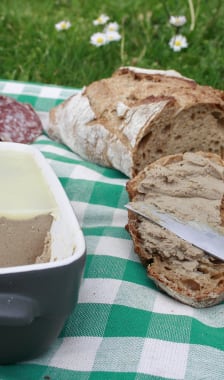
[(136, 116), (204, 286)]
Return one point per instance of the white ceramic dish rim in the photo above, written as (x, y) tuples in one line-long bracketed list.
[(64, 206)]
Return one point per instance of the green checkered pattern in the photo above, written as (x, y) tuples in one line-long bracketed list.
[(123, 327)]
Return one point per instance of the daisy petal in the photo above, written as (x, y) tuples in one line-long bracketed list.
[(112, 27), (178, 42), (113, 36), (101, 20), (177, 20), (62, 25), (98, 39)]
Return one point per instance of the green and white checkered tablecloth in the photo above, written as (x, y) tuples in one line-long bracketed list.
[(123, 327)]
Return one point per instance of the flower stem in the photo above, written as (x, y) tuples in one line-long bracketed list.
[(192, 13), (122, 55)]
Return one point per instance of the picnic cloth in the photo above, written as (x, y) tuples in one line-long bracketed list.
[(123, 327)]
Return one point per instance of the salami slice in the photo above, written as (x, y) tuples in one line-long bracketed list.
[(18, 121)]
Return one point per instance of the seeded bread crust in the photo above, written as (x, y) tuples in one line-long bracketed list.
[(200, 285), (137, 116)]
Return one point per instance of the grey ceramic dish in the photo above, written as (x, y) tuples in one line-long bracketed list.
[(36, 299)]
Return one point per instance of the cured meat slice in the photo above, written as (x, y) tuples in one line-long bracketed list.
[(18, 121)]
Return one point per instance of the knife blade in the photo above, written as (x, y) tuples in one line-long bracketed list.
[(200, 235)]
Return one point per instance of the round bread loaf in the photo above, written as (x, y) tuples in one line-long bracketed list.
[(137, 116), (189, 186)]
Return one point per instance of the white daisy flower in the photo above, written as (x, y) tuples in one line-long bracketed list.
[(178, 42), (98, 39), (101, 20), (113, 36), (111, 27), (177, 20), (63, 25)]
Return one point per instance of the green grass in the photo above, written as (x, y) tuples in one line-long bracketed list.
[(32, 50)]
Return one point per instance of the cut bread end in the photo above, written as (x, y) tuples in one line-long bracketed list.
[(183, 271)]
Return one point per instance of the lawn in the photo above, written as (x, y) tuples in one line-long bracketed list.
[(32, 49)]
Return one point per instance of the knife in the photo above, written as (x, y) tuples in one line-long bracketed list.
[(200, 235)]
